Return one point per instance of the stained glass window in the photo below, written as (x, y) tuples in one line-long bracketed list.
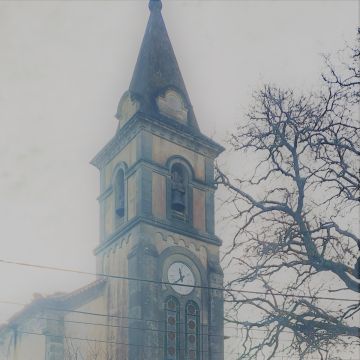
[(172, 310), (192, 331)]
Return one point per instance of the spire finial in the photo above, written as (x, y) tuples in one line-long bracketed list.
[(155, 5)]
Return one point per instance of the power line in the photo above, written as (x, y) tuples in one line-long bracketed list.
[(45, 267), (140, 280), (124, 317), (135, 345), (238, 327), (117, 326), (111, 342), (85, 339), (138, 345), (148, 329), (83, 312)]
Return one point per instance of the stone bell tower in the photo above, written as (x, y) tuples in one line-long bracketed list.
[(157, 216)]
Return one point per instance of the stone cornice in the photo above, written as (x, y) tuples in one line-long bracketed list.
[(165, 128), (210, 239), (116, 144)]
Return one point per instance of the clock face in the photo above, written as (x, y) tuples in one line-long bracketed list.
[(180, 274)]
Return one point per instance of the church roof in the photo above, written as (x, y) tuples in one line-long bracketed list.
[(157, 69), (58, 301)]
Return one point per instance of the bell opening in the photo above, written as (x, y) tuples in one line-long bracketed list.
[(120, 211), (178, 207), (178, 185)]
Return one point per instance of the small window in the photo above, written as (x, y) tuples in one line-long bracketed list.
[(120, 193), (172, 323), (192, 336), (178, 189)]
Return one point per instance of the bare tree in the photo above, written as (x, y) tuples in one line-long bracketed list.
[(296, 246), (91, 350)]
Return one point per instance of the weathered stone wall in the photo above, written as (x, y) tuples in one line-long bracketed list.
[(199, 212), (159, 195), (25, 341), (151, 236), (81, 331), (128, 155), (164, 149)]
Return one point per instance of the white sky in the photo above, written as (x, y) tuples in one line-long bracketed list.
[(65, 64)]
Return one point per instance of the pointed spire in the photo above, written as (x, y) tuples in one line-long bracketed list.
[(155, 5), (156, 68)]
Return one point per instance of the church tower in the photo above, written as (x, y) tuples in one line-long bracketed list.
[(157, 217)]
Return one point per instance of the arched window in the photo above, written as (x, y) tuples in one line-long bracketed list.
[(192, 331), (178, 188), (172, 341), (120, 193)]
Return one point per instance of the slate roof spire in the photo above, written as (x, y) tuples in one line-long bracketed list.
[(156, 68), (155, 5)]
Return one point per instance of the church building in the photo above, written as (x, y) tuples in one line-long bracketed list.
[(157, 294)]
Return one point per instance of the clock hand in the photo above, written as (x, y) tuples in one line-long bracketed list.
[(175, 282), (180, 279), (181, 275)]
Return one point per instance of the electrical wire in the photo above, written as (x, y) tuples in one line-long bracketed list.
[(124, 317), (147, 329), (140, 345), (43, 267), (53, 268), (110, 342), (238, 327), (127, 344)]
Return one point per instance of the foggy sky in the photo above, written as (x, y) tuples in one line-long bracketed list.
[(63, 68)]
